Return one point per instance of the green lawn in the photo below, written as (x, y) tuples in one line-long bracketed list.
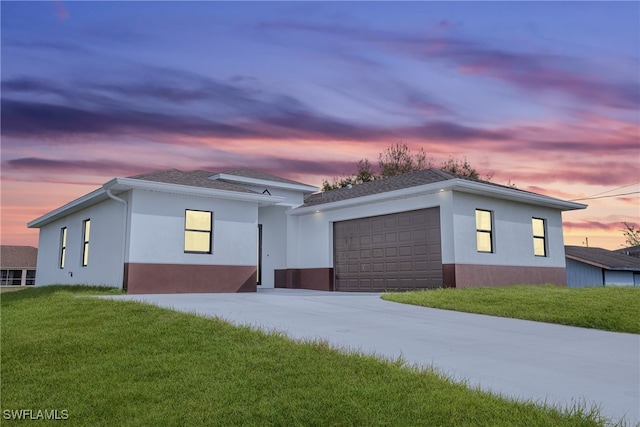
[(610, 309), (115, 363)]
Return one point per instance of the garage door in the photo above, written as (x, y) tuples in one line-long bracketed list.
[(389, 252)]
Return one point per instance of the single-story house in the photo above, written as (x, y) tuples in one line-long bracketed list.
[(18, 265), (588, 267), (633, 251), (174, 231)]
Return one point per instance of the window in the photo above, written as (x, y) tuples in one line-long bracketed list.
[(484, 230), (11, 277), (86, 228), (63, 246), (197, 231), (539, 237), (31, 278)]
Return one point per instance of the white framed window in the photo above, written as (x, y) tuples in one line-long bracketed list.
[(63, 247), (484, 231), (86, 229), (539, 227), (198, 227)]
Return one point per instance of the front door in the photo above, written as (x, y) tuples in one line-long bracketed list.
[(259, 254)]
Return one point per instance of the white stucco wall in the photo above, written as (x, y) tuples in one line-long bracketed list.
[(105, 248), (310, 236), (157, 229), (274, 242), (512, 233)]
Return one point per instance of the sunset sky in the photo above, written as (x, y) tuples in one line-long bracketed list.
[(543, 95)]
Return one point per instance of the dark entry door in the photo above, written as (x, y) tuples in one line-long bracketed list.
[(259, 254)]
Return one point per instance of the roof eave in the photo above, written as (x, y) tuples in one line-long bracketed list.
[(306, 189), (120, 185), (600, 265), (455, 184), (131, 183), (78, 204), (515, 195), (403, 193)]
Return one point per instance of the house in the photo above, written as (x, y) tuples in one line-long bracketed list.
[(18, 265), (633, 251), (599, 267), (174, 231)]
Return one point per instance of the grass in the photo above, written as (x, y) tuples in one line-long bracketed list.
[(128, 364), (608, 308), (5, 289)]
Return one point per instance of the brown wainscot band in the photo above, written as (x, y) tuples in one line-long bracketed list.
[(469, 275), (319, 279), (141, 278)]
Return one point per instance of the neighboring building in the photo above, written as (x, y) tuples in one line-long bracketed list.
[(633, 251), (599, 267), (174, 231), (18, 265)]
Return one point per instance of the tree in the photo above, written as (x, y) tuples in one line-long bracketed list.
[(460, 167), (365, 173), (631, 234), (397, 159)]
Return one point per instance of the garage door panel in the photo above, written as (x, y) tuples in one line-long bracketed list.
[(405, 251), (397, 251), (391, 251), (404, 236), (420, 249), (377, 253)]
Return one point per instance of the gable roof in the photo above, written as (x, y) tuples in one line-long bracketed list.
[(202, 183), (18, 256), (256, 178), (429, 176), (197, 178), (407, 180), (633, 251), (602, 258), (250, 173)]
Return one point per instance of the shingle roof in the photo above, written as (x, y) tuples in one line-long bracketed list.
[(603, 258), (18, 256), (407, 180), (633, 251), (250, 173), (197, 178)]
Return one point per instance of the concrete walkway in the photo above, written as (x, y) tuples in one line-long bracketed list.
[(522, 359)]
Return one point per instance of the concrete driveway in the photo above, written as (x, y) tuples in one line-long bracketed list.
[(522, 359)]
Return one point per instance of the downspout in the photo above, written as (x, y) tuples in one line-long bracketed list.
[(124, 235)]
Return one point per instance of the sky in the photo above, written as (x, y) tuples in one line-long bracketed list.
[(541, 95)]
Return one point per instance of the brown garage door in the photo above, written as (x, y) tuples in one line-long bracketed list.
[(388, 252)]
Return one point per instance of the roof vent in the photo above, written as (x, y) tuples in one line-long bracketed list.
[(349, 186)]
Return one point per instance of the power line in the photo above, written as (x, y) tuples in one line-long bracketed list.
[(609, 191), (604, 197)]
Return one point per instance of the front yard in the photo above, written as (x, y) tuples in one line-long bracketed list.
[(103, 363), (611, 309)]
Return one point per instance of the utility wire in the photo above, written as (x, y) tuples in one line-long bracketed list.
[(614, 189), (604, 197)]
